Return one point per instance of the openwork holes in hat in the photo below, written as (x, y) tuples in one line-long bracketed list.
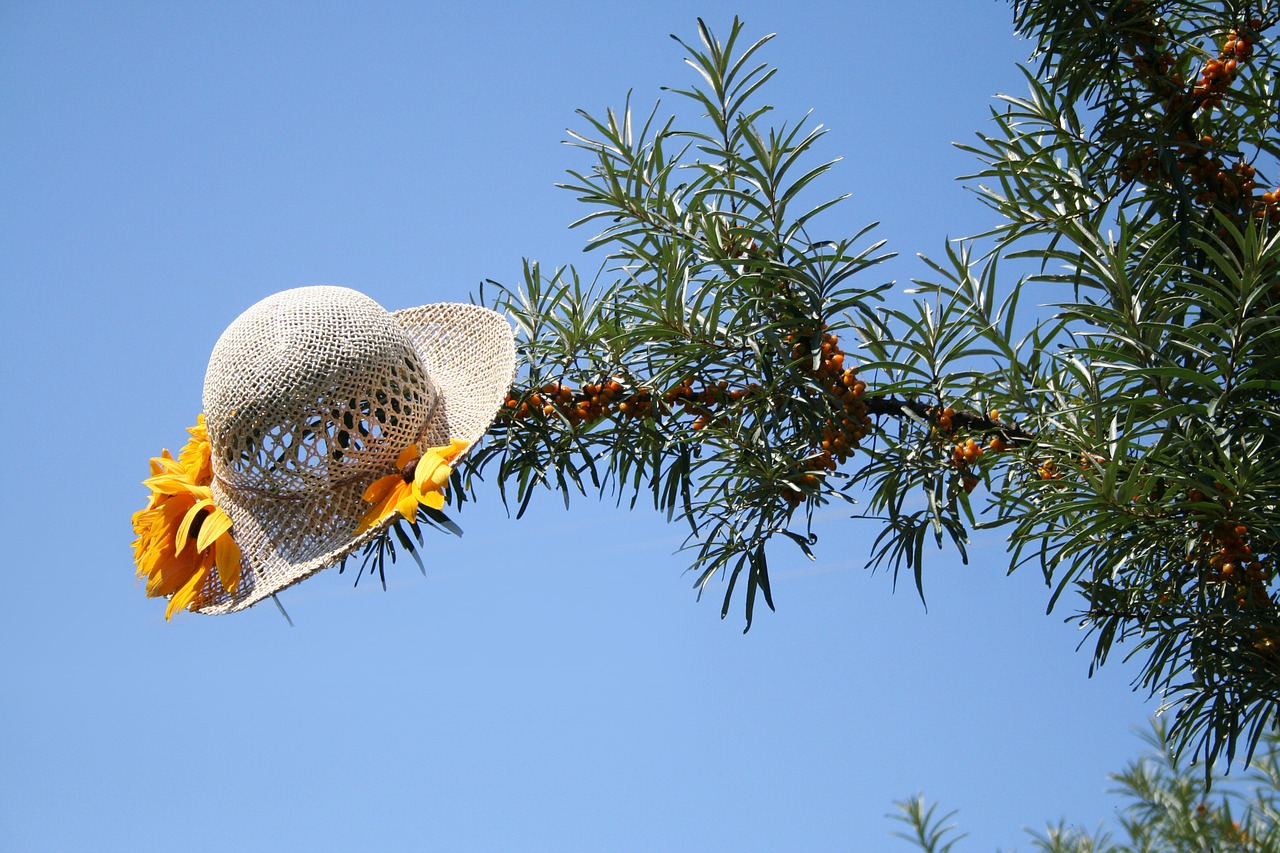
[(313, 390)]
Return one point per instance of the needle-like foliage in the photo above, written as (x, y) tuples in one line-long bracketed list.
[(1125, 439), (1166, 806)]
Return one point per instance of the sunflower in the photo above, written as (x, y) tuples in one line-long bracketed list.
[(182, 537), (421, 478)]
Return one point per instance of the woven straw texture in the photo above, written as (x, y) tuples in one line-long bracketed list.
[(310, 396)]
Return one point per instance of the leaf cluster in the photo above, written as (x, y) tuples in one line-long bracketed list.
[(1123, 438), (690, 368), (1147, 476), (1166, 806)]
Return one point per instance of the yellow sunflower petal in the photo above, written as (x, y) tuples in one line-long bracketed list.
[(170, 572), (215, 524), (184, 529), (407, 455), (383, 507), (435, 500), (155, 528), (166, 461), (227, 554), (440, 476), (432, 472), (378, 489), (168, 484), (455, 447), (169, 467), (408, 505), (142, 520), (183, 597), (196, 456), (162, 583), (156, 467), (165, 580)]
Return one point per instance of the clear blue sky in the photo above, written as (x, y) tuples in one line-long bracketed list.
[(551, 685)]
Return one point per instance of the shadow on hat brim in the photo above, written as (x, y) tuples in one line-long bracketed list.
[(469, 354)]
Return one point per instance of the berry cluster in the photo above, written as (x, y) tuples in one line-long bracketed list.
[(964, 455), (1232, 189), (1215, 79), (943, 419), (1217, 75), (968, 452), (705, 403), (1268, 206), (1144, 39), (1157, 67), (1157, 71), (1229, 559), (1238, 45), (1211, 182), (590, 404), (998, 442), (1234, 565), (841, 433), (849, 424), (1268, 647)]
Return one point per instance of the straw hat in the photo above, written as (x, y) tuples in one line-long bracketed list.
[(310, 396)]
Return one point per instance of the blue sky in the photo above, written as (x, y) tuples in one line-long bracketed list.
[(551, 684)]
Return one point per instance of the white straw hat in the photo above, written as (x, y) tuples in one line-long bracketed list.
[(311, 395)]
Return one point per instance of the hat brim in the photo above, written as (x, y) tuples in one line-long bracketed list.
[(469, 354)]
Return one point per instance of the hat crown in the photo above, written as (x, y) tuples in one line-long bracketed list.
[(312, 388)]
